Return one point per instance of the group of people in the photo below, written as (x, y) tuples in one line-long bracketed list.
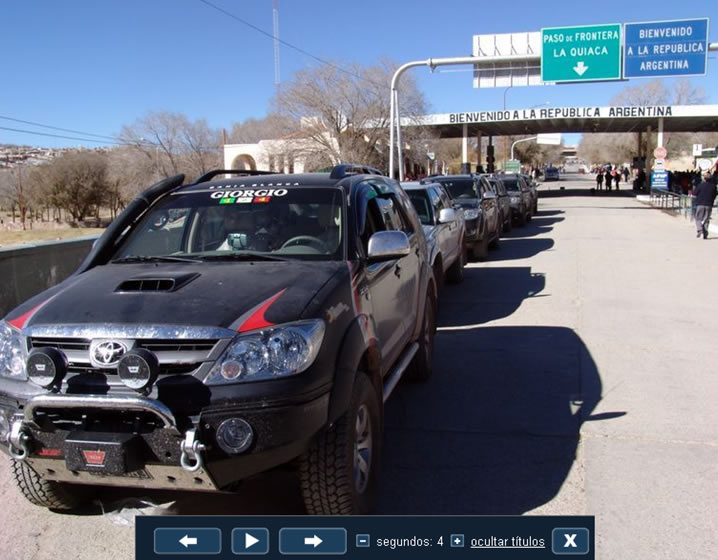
[(611, 177), (683, 182)]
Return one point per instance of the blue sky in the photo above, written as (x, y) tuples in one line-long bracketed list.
[(95, 65)]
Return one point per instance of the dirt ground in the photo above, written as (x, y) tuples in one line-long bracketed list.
[(37, 235)]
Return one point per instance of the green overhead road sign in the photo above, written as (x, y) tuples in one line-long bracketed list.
[(581, 54), (512, 166)]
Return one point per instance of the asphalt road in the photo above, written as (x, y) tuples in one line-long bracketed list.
[(575, 373)]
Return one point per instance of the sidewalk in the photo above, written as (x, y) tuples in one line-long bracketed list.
[(712, 228)]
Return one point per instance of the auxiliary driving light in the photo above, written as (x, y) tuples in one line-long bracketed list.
[(46, 366), (138, 369), (234, 435)]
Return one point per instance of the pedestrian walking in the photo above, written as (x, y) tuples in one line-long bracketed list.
[(599, 180), (705, 195), (617, 178), (608, 180), (625, 174)]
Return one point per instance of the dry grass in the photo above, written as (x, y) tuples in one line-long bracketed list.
[(8, 238)]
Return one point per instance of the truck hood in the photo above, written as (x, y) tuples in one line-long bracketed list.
[(220, 294)]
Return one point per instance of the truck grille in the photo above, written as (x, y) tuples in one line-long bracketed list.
[(74, 344), (179, 356)]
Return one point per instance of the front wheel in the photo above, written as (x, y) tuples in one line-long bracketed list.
[(480, 250), (47, 493), (421, 366), (339, 471), (455, 274), (522, 218)]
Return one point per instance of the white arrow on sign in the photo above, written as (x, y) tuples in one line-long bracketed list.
[(249, 540), (316, 541), (187, 540), (580, 68)]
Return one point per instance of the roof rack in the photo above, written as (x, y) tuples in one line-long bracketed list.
[(207, 176), (346, 169)]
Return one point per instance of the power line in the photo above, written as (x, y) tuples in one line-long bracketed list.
[(66, 137), (113, 138), (285, 43)]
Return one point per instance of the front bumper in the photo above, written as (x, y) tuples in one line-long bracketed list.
[(139, 442), (472, 232)]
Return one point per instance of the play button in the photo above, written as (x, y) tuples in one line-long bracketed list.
[(250, 540)]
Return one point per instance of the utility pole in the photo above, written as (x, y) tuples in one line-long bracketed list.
[(275, 20)]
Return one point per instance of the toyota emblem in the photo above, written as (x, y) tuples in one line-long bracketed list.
[(107, 353)]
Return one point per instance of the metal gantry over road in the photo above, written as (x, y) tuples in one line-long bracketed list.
[(577, 54)]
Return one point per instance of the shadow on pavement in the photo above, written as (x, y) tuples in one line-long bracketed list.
[(488, 294), (556, 192), (495, 431), (520, 248), (545, 213)]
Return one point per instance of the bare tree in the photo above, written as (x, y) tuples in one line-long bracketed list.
[(621, 147), (650, 93), (17, 192), (173, 144), (270, 127), (345, 114)]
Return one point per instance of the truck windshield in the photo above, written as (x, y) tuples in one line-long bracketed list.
[(460, 188), (511, 184), (225, 222)]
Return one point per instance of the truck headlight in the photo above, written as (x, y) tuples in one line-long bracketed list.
[(471, 213), (12, 364), (515, 200), (270, 353)]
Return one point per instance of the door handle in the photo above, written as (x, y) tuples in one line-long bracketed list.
[(397, 271)]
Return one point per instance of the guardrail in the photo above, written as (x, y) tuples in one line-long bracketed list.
[(27, 270), (680, 203)]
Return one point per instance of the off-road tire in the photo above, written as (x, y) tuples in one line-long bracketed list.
[(495, 243), (421, 366), (480, 251), (46, 493), (327, 469), (455, 274), (438, 270), (522, 219)]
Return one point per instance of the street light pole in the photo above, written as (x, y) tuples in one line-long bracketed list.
[(505, 140)]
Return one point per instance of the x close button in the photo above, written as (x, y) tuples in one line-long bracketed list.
[(330, 540), (570, 540), (188, 541)]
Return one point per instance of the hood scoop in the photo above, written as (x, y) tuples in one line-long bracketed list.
[(155, 283)]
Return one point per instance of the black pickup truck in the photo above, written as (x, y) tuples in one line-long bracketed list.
[(220, 329)]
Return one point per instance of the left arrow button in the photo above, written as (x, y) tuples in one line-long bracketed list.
[(188, 541)]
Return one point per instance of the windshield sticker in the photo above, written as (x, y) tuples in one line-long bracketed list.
[(262, 199), (248, 193), (244, 199), (227, 200)]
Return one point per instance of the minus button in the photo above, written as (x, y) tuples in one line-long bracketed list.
[(363, 541)]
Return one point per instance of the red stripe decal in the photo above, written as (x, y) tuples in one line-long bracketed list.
[(19, 322), (256, 320)]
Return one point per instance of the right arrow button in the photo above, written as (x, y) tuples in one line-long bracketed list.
[(311, 541)]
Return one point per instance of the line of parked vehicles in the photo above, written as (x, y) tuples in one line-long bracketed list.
[(465, 215), (237, 323)]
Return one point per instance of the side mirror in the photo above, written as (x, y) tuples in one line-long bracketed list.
[(447, 215), (388, 245)]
